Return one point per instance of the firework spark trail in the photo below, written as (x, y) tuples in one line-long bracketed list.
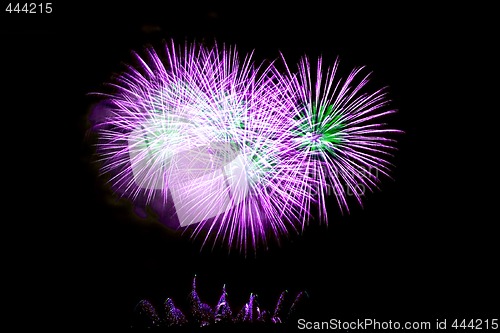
[(223, 312), (278, 309), (173, 315), (243, 150), (148, 314)]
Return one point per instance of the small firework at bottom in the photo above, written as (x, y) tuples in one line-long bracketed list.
[(200, 314)]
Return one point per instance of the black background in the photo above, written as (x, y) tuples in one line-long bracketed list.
[(423, 248)]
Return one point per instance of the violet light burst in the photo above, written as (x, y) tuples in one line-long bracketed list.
[(240, 150), (208, 134)]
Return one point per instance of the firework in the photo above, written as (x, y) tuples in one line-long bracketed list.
[(223, 312), (147, 315), (173, 316), (276, 318), (210, 133), (204, 315), (239, 150), (201, 312), (339, 140)]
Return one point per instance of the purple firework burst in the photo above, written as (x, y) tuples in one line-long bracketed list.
[(210, 134), (240, 150)]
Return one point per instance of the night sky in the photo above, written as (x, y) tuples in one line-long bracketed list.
[(424, 247)]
